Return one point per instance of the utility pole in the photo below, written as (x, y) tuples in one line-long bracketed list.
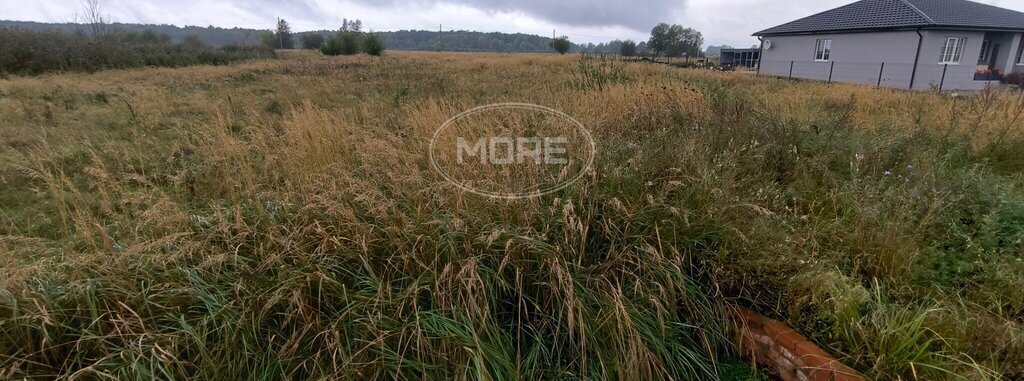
[(440, 38)]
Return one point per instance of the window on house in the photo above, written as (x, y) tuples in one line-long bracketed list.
[(823, 50), (1020, 56), (952, 50)]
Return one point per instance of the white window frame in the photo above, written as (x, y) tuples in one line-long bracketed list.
[(823, 50), (952, 50), (1020, 55)]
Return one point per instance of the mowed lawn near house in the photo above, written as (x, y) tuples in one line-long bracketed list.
[(280, 218)]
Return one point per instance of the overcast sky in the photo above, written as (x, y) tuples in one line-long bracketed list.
[(722, 21)]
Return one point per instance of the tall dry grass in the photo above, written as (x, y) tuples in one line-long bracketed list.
[(280, 219)]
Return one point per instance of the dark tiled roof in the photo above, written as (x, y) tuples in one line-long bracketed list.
[(902, 14), (969, 14)]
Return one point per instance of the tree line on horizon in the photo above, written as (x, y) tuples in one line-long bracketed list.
[(417, 40)]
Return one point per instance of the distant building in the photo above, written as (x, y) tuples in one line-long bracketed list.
[(739, 57), (918, 44)]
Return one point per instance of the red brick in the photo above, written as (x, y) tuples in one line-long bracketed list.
[(807, 348), (791, 341), (774, 328), (785, 352)]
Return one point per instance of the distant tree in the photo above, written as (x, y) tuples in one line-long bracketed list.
[(561, 44), (268, 39), (312, 40), (688, 41), (29, 52), (661, 39), (627, 48), (350, 43), (355, 26), (149, 36), (193, 41), (332, 47), (285, 40), (344, 43), (92, 14), (675, 40), (372, 45), (457, 40)]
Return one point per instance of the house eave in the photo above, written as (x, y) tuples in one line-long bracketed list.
[(899, 29)]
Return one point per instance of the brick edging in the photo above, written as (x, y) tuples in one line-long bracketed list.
[(784, 352)]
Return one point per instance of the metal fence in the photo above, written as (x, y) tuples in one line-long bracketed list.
[(884, 74), (656, 59), (897, 75)]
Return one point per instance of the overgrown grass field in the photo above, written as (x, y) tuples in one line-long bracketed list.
[(280, 219)]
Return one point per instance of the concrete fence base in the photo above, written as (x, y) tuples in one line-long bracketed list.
[(783, 352)]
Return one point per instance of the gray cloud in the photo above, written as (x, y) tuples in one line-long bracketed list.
[(721, 21), (640, 15), (303, 9)]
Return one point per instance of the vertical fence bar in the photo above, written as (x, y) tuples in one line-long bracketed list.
[(942, 82), (791, 69), (830, 70), (880, 71)]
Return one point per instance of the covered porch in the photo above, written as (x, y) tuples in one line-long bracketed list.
[(1000, 55), (748, 58)]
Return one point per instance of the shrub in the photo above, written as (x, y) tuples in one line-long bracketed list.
[(1014, 79), (598, 74), (627, 49), (345, 43), (32, 53), (560, 45), (312, 41), (372, 45)]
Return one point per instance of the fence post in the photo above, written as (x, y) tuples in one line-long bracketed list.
[(880, 71), (830, 70), (791, 69), (943, 81)]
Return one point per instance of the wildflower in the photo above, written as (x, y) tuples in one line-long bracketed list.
[(888, 173)]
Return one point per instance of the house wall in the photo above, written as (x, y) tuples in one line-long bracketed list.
[(858, 58), (958, 77), (1015, 48)]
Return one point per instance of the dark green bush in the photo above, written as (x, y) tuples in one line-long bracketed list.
[(1014, 79), (312, 40), (345, 43), (372, 45), (30, 53)]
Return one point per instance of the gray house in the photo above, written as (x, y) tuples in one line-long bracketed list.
[(910, 44)]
